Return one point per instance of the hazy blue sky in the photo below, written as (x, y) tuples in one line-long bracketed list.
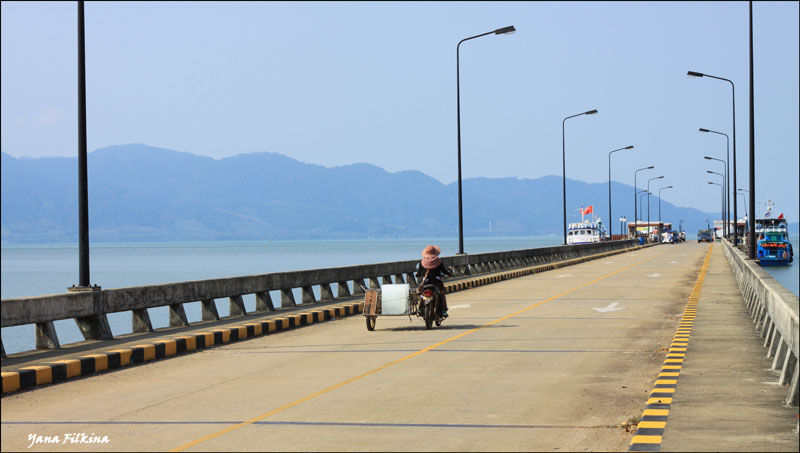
[(337, 83)]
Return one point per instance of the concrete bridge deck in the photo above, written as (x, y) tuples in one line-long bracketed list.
[(527, 364)]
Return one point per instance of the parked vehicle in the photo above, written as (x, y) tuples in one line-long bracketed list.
[(705, 236)]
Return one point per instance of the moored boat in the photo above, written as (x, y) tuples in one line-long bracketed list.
[(772, 245)]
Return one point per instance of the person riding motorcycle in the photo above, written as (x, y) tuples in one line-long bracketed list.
[(432, 266)]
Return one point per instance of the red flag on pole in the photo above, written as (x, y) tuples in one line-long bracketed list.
[(780, 216), (588, 210)]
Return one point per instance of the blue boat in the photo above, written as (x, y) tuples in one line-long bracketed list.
[(773, 246)]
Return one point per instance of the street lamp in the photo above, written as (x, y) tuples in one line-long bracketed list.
[(609, 186), (727, 176), (745, 198), (648, 202), (564, 169), (621, 223), (641, 194), (721, 186), (725, 215), (499, 31), (659, 202), (635, 196), (733, 109)]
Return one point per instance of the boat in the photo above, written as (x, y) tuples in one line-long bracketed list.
[(772, 245), (586, 231)]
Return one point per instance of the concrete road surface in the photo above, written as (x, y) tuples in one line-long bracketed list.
[(549, 362)]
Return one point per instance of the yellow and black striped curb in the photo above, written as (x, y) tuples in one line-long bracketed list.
[(650, 430), (62, 370)]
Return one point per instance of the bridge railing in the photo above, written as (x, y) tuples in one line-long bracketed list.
[(774, 312), (89, 308)]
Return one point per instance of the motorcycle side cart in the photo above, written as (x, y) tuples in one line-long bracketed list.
[(402, 300)]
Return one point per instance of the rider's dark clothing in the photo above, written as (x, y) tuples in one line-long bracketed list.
[(435, 278)]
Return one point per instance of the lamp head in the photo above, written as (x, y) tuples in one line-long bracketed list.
[(590, 112), (652, 166), (706, 157), (668, 187), (505, 30), (629, 147), (694, 74), (704, 130)]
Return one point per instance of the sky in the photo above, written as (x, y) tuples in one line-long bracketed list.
[(335, 83)]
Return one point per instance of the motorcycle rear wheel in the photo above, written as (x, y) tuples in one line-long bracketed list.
[(428, 315), (371, 322)]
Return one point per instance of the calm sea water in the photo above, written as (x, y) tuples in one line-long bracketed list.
[(32, 270)]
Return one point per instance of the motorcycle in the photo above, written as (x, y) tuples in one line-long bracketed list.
[(429, 307)]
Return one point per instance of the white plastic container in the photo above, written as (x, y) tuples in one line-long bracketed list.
[(394, 299)]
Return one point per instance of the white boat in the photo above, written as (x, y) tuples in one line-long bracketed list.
[(585, 232)]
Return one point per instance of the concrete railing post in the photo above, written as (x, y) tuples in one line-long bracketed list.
[(46, 337), (209, 310), (373, 283), (308, 295), (140, 321), (94, 327), (237, 306), (264, 301), (287, 298), (177, 316), (342, 290), (325, 292)]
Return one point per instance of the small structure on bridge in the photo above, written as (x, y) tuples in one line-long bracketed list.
[(649, 230)]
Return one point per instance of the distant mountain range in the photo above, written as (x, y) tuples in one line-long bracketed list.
[(142, 193)]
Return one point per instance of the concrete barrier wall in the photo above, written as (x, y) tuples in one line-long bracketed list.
[(89, 308), (775, 315)]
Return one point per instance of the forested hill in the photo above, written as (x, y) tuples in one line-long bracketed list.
[(142, 193)]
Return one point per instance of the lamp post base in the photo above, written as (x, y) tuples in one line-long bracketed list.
[(83, 289)]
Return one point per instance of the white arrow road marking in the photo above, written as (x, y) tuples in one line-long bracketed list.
[(654, 275), (609, 262), (611, 307), (563, 275), (673, 262), (459, 306)]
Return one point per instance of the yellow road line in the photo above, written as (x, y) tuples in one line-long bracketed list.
[(651, 441), (394, 362)]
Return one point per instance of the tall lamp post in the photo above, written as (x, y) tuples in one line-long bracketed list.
[(746, 216), (733, 109), (621, 224), (499, 31), (564, 168), (648, 202), (659, 202), (722, 186), (636, 194), (610, 233), (745, 198), (83, 186), (725, 229), (641, 194), (727, 177)]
